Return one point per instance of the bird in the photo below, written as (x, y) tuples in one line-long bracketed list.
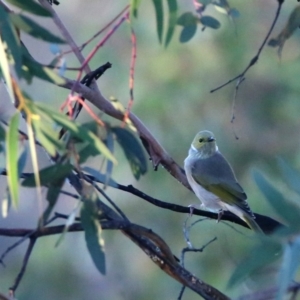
[(213, 180)]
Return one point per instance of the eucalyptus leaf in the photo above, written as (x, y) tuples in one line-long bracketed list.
[(287, 210), (34, 29), (12, 146), (172, 6), (210, 22), (31, 6), (159, 14), (92, 229), (133, 151)]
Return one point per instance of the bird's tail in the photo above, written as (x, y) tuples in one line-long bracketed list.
[(251, 223)]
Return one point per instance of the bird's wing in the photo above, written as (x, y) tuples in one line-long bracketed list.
[(215, 175)]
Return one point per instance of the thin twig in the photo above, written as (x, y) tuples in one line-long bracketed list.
[(256, 57), (19, 277)]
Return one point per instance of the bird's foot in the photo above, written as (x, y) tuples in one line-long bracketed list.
[(191, 207), (220, 214)]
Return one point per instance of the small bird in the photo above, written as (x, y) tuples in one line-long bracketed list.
[(213, 181)]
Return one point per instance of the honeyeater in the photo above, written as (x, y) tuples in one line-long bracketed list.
[(213, 180)]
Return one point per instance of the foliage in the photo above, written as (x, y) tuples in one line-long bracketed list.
[(85, 153)]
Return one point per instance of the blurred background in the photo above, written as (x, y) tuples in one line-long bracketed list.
[(173, 99)]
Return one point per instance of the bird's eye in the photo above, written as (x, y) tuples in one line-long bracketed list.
[(201, 140)]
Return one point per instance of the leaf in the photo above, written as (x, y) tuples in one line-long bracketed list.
[(133, 151), (49, 175), (159, 14), (187, 19), (187, 33), (32, 68), (92, 228), (100, 177), (78, 131), (172, 6), (34, 29), (291, 176), (134, 5), (12, 146), (263, 254), (287, 210), (109, 164), (289, 266), (209, 21), (10, 36), (5, 70), (31, 6)]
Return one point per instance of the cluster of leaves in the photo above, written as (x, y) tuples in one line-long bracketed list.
[(14, 52), (189, 21), (284, 243)]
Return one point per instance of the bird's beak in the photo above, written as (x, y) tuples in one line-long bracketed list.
[(211, 139)]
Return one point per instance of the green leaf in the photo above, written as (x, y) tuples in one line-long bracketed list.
[(10, 36), (92, 228), (34, 29), (187, 19), (5, 71), (263, 254), (291, 176), (287, 210), (100, 177), (159, 14), (289, 266), (134, 5), (31, 6), (32, 68), (172, 6), (78, 131), (187, 33), (209, 21), (109, 165), (133, 151), (49, 175), (12, 146)]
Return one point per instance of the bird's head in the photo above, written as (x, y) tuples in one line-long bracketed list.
[(204, 144)]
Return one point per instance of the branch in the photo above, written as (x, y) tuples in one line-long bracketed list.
[(240, 78), (152, 244)]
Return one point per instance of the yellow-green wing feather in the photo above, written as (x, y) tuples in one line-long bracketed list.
[(215, 175)]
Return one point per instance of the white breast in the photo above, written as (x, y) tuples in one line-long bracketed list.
[(209, 200)]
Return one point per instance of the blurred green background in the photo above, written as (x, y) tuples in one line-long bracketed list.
[(173, 99)]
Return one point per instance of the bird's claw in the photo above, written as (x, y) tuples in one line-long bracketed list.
[(220, 214)]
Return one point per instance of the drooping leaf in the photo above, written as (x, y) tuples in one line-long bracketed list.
[(4, 66), (32, 68), (133, 151), (34, 29), (210, 22), (187, 19), (263, 254), (31, 6), (100, 177), (187, 33), (289, 266), (77, 131), (134, 6), (10, 36), (12, 141), (287, 210), (172, 6), (109, 165), (159, 14), (290, 175), (49, 175), (92, 229)]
